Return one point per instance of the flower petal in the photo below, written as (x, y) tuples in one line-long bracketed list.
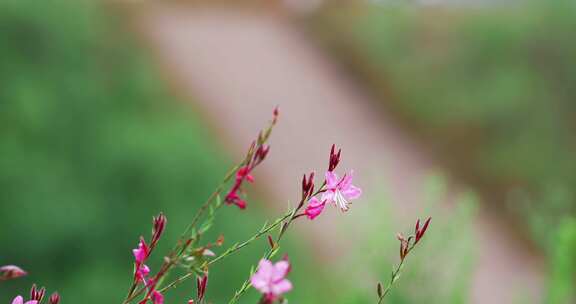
[(328, 196), (265, 269), (18, 300), (331, 180), (352, 192), (281, 269), (346, 181), (281, 287), (314, 208)]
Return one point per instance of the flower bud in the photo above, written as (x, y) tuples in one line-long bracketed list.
[(37, 294), (201, 285), (55, 298), (9, 272)]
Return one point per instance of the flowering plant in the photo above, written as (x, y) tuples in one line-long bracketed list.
[(190, 258)]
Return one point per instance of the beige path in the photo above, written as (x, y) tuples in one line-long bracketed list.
[(240, 65)]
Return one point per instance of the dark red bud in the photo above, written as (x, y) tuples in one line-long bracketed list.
[(159, 225), (271, 242), (201, 285), (421, 231), (55, 298), (37, 294), (275, 114)]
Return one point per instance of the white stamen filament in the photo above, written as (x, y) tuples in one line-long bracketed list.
[(341, 202)]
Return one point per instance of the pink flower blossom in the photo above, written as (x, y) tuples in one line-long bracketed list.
[(140, 253), (157, 297), (314, 208), (20, 300), (340, 191), (11, 272), (270, 279), (142, 272)]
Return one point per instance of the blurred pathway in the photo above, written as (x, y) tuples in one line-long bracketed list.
[(240, 65)]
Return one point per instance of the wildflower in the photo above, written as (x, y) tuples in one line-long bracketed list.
[(340, 191), (159, 224), (234, 198), (314, 208), (37, 294), (142, 272), (420, 231), (201, 283), (141, 253), (54, 298), (270, 279), (307, 186), (9, 272), (157, 297), (334, 158), (20, 300)]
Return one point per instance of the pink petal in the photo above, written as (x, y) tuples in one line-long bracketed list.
[(157, 297), (314, 208), (140, 252), (331, 179), (281, 287), (352, 192), (32, 302), (328, 196), (260, 283), (281, 269), (346, 181), (18, 300), (265, 269)]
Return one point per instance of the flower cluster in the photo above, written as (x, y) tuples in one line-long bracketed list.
[(195, 257), (37, 296), (256, 154), (142, 270), (335, 190)]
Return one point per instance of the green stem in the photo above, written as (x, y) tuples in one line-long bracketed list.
[(395, 275), (231, 250)]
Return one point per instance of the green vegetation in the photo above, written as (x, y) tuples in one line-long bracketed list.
[(92, 146), (491, 90)]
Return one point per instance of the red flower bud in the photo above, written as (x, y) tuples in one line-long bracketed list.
[(9, 272), (201, 285), (37, 294), (55, 298), (420, 231)]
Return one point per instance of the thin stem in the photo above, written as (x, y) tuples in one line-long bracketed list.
[(231, 250), (395, 275), (184, 238)]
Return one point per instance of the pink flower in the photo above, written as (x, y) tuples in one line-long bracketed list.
[(157, 297), (11, 272), (314, 208), (270, 279), (142, 272), (140, 253), (340, 191), (20, 300)]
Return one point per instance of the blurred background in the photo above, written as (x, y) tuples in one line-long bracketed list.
[(112, 111)]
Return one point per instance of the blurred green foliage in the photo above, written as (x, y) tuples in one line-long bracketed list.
[(563, 265), (438, 271), (491, 89), (92, 145)]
